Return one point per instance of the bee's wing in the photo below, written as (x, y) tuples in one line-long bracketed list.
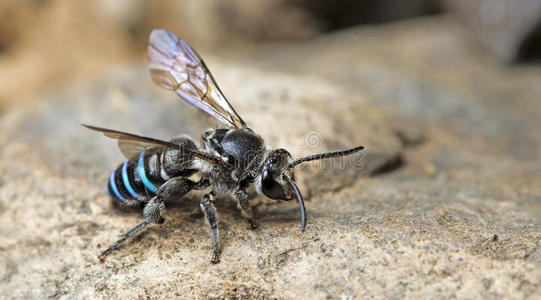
[(174, 65), (132, 148), (132, 142)]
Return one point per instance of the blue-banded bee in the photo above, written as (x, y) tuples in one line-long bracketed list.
[(228, 160)]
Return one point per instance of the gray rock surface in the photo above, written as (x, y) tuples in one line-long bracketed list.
[(445, 202), (511, 30)]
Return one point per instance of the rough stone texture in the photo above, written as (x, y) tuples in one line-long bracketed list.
[(452, 207)]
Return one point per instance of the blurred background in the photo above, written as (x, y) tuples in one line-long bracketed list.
[(46, 43)]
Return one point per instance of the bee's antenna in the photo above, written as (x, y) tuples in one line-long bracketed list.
[(326, 155), (301, 203)]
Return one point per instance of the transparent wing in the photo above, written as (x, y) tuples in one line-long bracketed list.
[(174, 65), (131, 142), (132, 148)]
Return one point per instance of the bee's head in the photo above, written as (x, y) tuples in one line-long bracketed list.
[(275, 174), (277, 179)]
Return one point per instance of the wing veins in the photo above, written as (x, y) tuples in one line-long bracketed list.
[(115, 134), (171, 59)]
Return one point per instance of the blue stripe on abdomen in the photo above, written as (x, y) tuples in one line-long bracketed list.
[(113, 186), (142, 175), (126, 180), (109, 190)]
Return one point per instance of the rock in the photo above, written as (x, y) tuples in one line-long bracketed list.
[(417, 77), (511, 30), (54, 171), (451, 206)]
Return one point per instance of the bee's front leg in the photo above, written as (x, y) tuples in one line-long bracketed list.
[(245, 208)]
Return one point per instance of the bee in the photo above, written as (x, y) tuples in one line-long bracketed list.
[(227, 162)]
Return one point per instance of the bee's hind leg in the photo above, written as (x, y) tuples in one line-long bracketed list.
[(172, 189), (129, 234)]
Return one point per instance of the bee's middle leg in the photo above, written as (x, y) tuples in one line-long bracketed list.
[(212, 217)]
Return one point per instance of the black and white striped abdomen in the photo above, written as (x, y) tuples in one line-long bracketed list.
[(140, 177)]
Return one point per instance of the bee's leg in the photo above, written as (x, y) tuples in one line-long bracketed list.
[(129, 234), (210, 213), (201, 184), (129, 202), (245, 208), (173, 188)]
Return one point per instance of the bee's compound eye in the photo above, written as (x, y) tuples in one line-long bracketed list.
[(270, 187)]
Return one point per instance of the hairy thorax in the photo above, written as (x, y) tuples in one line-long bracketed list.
[(242, 149)]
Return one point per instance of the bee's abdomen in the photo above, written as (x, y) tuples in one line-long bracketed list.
[(137, 178)]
